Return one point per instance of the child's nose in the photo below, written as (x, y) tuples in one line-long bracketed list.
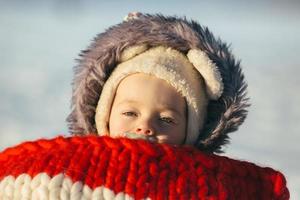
[(144, 129)]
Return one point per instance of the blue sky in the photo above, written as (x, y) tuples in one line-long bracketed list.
[(40, 40)]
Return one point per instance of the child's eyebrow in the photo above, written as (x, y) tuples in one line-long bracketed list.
[(164, 107), (167, 107)]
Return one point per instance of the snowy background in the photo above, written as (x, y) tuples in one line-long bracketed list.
[(39, 41)]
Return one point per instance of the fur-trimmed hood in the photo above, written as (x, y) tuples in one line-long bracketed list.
[(96, 63)]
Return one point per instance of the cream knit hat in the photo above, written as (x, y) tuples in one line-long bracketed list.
[(194, 76)]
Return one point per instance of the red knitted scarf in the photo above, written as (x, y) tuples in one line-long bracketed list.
[(93, 167)]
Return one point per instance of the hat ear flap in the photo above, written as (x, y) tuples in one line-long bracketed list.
[(209, 71)]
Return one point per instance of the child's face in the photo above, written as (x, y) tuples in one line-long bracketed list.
[(149, 106)]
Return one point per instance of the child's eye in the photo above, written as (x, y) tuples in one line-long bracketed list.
[(129, 114), (167, 120)]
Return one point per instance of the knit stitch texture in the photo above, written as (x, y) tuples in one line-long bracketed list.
[(90, 167)]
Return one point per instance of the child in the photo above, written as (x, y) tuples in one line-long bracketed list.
[(180, 84), (160, 112)]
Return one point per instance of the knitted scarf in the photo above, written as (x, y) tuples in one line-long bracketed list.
[(90, 167)]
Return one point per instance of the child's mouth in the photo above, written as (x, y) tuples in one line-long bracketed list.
[(139, 136)]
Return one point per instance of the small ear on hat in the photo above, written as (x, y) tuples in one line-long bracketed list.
[(209, 71), (132, 51)]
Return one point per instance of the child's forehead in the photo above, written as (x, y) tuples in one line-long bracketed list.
[(142, 89), (141, 85)]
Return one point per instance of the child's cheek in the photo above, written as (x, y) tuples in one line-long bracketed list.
[(119, 127)]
